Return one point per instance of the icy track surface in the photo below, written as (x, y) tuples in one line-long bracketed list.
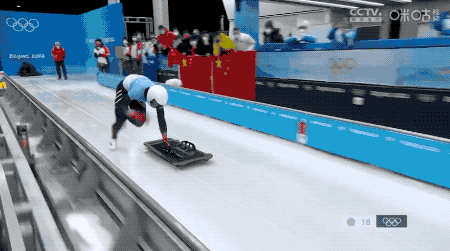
[(258, 192)]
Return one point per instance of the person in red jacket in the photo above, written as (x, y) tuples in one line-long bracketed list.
[(136, 52), (165, 38), (101, 52), (59, 54)]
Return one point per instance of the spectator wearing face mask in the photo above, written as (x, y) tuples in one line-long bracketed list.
[(301, 34), (196, 32), (59, 54), (205, 47), (271, 34), (179, 44), (149, 48), (243, 42), (193, 42), (125, 58), (101, 52), (176, 32), (135, 53)]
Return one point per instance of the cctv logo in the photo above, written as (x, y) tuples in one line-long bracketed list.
[(357, 15), (360, 12)]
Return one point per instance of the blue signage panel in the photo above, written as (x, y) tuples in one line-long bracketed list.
[(29, 37)]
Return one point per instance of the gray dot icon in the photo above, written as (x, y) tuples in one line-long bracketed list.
[(351, 222)]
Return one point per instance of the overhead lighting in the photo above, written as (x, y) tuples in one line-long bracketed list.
[(325, 4), (18, 6), (403, 1), (363, 2)]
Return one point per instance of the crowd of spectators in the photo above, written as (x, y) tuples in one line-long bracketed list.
[(138, 53)]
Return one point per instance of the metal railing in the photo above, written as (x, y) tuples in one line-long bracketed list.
[(142, 221)]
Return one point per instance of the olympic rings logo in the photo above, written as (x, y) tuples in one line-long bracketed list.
[(22, 24), (391, 221)]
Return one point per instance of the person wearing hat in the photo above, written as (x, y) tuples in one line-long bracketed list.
[(343, 34), (271, 34), (101, 52), (59, 54)]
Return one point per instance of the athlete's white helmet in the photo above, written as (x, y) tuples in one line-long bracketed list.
[(128, 79), (158, 93)]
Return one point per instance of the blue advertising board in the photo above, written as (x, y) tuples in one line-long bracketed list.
[(29, 37), (420, 67)]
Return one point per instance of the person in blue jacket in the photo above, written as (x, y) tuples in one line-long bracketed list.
[(343, 34), (132, 96)]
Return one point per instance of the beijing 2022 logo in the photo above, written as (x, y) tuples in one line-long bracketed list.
[(23, 24)]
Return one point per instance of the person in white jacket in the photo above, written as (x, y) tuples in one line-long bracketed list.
[(243, 42)]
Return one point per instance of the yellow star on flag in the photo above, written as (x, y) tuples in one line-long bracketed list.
[(218, 63), (184, 62)]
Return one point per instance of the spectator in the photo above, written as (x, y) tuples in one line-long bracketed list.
[(271, 34), (243, 42), (186, 34), (205, 47), (179, 45), (59, 54), (101, 52), (193, 42), (222, 44), (196, 32), (149, 48), (176, 31), (165, 38), (136, 52), (343, 33), (300, 33), (125, 59)]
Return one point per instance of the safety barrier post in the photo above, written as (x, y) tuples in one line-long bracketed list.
[(22, 133)]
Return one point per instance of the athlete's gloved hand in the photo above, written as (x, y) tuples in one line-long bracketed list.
[(165, 139)]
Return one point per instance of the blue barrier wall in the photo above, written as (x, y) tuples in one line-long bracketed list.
[(36, 45), (403, 62), (72, 31), (106, 22), (418, 157)]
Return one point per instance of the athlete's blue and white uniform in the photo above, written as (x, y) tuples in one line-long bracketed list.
[(135, 98)]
